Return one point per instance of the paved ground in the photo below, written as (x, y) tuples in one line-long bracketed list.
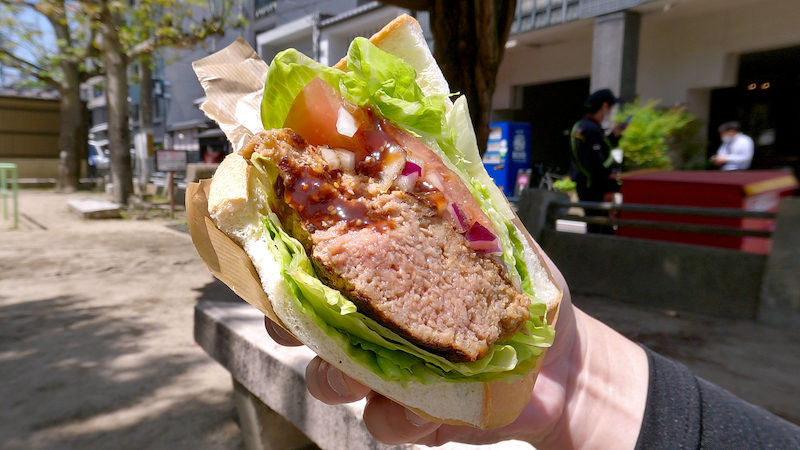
[(96, 347)]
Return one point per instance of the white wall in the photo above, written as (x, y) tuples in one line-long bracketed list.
[(683, 52), (563, 59), (335, 39), (679, 52)]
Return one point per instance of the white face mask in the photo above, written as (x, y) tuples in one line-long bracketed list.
[(608, 121), (727, 138)]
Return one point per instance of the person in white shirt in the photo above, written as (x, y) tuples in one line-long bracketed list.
[(736, 151)]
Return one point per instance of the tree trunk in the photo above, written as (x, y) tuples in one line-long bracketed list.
[(116, 79), (146, 94), (145, 121), (469, 44), (70, 128), (71, 108)]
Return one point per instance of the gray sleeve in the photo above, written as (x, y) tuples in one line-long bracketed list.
[(684, 411)]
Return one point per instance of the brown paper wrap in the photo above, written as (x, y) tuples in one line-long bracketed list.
[(224, 258)]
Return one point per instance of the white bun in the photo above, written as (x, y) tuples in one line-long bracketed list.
[(233, 204)]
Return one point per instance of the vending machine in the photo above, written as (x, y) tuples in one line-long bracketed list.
[(508, 155)]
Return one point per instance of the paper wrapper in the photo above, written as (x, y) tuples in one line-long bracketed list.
[(233, 79)]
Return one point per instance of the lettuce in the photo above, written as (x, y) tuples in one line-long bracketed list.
[(388, 84)]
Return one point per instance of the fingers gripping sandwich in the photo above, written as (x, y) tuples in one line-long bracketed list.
[(378, 237)]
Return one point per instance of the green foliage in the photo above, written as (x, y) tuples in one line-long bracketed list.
[(646, 141), (564, 184), (39, 52), (148, 25)]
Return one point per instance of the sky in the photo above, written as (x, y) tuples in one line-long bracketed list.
[(34, 21)]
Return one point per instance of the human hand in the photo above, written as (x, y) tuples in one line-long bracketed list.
[(619, 129), (564, 410), (718, 160)]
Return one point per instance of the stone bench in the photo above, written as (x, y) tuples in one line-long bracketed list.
[(275, 409)]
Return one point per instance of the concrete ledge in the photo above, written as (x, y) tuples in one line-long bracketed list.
[(780, 293), (234, 335), (704, 280), (95, 208)]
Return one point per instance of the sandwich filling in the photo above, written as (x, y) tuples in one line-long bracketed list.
[(388, 225), (389, 234)]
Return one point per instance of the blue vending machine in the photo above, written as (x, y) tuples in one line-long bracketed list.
[(508, 155)]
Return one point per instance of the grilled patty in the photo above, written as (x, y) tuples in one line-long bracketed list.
[(390, 251)]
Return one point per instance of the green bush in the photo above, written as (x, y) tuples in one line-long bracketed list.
[(564, 184), (645, 142)]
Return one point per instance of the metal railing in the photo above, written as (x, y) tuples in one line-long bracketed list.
[(556, 211), (535, 14)]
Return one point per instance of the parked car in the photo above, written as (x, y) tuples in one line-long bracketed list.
[(98, 159)]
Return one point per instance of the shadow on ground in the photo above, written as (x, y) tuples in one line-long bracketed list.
[(217, 291), (89, 382)]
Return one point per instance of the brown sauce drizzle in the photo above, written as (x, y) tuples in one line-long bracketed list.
[(314, 191)]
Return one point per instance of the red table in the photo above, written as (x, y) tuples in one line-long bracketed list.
[(757, 190)]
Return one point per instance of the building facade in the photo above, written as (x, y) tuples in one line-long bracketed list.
[(723, 59), (187, 128)]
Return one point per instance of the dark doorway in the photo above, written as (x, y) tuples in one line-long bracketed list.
[(766, 101), (552, 109)]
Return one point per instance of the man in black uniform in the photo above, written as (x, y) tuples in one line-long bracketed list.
[(591, 152)]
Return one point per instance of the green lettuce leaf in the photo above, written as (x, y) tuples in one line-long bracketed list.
[(388, 84)]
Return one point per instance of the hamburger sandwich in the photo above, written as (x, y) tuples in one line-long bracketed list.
[(378, 238)]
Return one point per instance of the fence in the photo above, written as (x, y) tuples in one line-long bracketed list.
[(556, 208)]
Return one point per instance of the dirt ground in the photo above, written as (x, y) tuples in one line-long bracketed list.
[(96, 346)]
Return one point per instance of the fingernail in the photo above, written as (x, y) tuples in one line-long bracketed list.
[(337, 382), (415, 420)]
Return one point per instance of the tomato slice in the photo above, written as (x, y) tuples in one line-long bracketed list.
[(441, 177), (314, 115)]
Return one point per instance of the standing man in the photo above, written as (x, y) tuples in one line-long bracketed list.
[(591, 152), (736, 151)]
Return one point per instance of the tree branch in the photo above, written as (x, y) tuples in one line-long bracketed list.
[(19, 3), (29, 68), (184, 40)]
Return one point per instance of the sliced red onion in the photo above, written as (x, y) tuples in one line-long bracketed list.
[(411, 168), (460, 216), (455, 218), (346, 123), (406, 182), (347, 159), (435, 180), (480, 239), (331, 158), (490, 247)]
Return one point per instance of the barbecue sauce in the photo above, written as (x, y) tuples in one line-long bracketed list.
[(315, 192)]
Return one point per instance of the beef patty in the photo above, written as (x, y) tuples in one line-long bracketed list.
[(391, 251)]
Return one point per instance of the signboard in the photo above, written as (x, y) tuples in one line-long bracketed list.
[(170, 161)]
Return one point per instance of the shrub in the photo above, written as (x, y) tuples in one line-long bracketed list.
[(645, 142)]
